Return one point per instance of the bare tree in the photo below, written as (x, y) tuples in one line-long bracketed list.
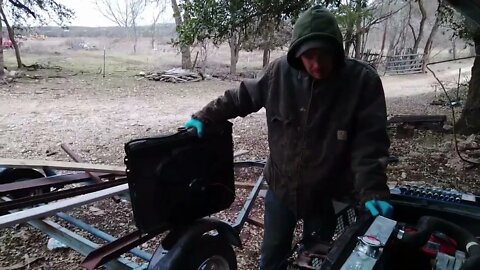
[(385, 26), (158, 9), (359, 18), (418, 37), (433, 32), (124, 13)]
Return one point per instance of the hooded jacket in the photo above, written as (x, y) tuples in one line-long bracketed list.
[(326, 137)]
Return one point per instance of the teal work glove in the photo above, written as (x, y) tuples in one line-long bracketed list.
[(197, 124), (377, 207)]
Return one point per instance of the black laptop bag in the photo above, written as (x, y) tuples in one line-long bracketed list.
[(177, 178)]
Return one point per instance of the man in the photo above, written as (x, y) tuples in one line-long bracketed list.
[(326, 120)]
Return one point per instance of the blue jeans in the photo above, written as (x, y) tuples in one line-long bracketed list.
[(279, 225)]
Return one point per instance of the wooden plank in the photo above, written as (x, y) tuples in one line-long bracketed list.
[(244, 185), (255, 222), (411, 65), (72, 166), (403, 55), (417, 118), (52, 208), (240, 153), (61, 165), (247, 185)]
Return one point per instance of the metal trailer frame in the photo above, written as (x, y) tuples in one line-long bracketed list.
[(116, 248), (94, 190)]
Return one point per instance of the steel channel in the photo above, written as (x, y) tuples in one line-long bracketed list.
[(53, 196), (100, 234)]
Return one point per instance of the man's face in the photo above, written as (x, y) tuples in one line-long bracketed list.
[(317, 63)]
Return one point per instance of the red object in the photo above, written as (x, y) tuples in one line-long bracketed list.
[(437, 242), (7, 44), (446, 244)]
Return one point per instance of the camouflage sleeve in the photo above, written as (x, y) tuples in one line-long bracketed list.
[(371, 143), (249, 97)]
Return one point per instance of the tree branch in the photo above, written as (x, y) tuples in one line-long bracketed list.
[(378, 20), (22, 6), (413, 31)]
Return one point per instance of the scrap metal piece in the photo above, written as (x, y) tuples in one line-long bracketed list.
[(115, 249)]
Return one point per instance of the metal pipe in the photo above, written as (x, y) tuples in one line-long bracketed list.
[(100, 234)]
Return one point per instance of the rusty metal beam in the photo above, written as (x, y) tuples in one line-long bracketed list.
[(54, 196), (52, 181), (114, 249), (255, 222)]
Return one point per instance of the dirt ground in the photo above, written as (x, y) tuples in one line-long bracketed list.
[(97, 115)]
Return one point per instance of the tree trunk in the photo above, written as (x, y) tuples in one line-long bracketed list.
[(364, 43), (358, 44), (454, 48), (422, 26), (266, 56), (184, 49), (428, 46), (153, 36), (135, 38), (348, 41), (154, 29), (358, 33), (2, 62), (11, 35), (385, 26), (234, 43), (267, 43), (204, 55), (469, 121)]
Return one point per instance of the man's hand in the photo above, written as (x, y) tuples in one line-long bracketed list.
[(197, 124), (377, 207)]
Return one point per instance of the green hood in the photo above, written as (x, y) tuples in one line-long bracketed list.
[(317, 23)]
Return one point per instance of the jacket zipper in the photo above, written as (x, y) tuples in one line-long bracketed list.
[(307, 113), (300, 160)]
